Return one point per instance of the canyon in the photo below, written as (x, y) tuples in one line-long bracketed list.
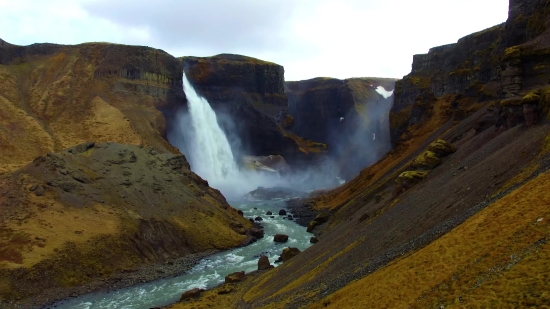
[(445, 206)]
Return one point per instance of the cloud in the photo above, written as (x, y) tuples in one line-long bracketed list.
[(310, 38)]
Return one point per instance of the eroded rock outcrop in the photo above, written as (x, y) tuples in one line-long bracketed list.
[(500, 64)]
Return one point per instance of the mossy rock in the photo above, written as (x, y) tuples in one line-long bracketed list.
[(441, 148), (311, 226), (514, 101), (532, 97), (412, 175), (511, 53), (428, 159), (321, 218)]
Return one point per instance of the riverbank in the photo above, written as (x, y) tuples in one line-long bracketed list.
[(118, 281)]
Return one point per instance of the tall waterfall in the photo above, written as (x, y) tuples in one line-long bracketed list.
[(209, 150)]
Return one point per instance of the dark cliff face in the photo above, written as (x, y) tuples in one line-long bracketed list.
[(251, 92), (348, 115), (502, 62)]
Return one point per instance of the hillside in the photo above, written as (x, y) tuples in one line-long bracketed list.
[(92, 211)]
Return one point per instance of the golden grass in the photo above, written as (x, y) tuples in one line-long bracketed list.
[(58, 225), (488, 261)]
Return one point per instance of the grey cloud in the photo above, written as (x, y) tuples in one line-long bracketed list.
[(244, 26)]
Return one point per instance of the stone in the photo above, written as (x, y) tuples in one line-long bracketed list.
[(258, 219), (194, 293), (280, 238), (269, 213), (225, 289), (39, 191), (263, 263), (289, 253), (282, 212), (235, 277), (256, 233)]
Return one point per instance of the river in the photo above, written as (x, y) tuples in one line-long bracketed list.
[(210, 271)]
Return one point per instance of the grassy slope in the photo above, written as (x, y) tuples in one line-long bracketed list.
[(498, 258)]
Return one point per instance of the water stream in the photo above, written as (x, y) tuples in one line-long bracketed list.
[(210, 271)]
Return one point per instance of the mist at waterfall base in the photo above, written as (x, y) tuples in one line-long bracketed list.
[(359, 139), (214, 154)]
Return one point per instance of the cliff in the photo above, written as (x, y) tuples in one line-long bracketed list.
[(503, 62), (347, 115), (251, 92), (94, 211)]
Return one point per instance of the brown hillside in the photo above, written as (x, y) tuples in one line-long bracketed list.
[(85, 214), (54, 96)]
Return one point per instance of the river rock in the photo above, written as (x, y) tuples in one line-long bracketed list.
[(194, 293), (282, 212), (256, 232), (258, 219), (263, 263), (269, 213), (280, 238), (235, 277)]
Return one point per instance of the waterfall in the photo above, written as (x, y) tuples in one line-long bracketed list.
[(209, 151)]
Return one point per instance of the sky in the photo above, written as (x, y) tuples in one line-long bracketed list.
[(310, 38)]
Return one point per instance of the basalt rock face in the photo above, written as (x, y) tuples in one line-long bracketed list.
[(348, 115), (97, 209), (56, 96), (503, 62), (251, 92)]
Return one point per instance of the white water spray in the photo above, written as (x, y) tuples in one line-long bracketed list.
[(210, 153), (210, 156)]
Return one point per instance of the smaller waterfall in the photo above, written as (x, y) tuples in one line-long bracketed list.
[(209, 150)]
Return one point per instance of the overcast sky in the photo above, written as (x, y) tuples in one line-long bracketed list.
[(310, 38)]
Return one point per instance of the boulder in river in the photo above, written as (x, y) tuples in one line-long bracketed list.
[(263, 263), (282, 212), (194, 293), (280, 238), (258, 219), (235, 277), (269, 213), (256, 233)]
